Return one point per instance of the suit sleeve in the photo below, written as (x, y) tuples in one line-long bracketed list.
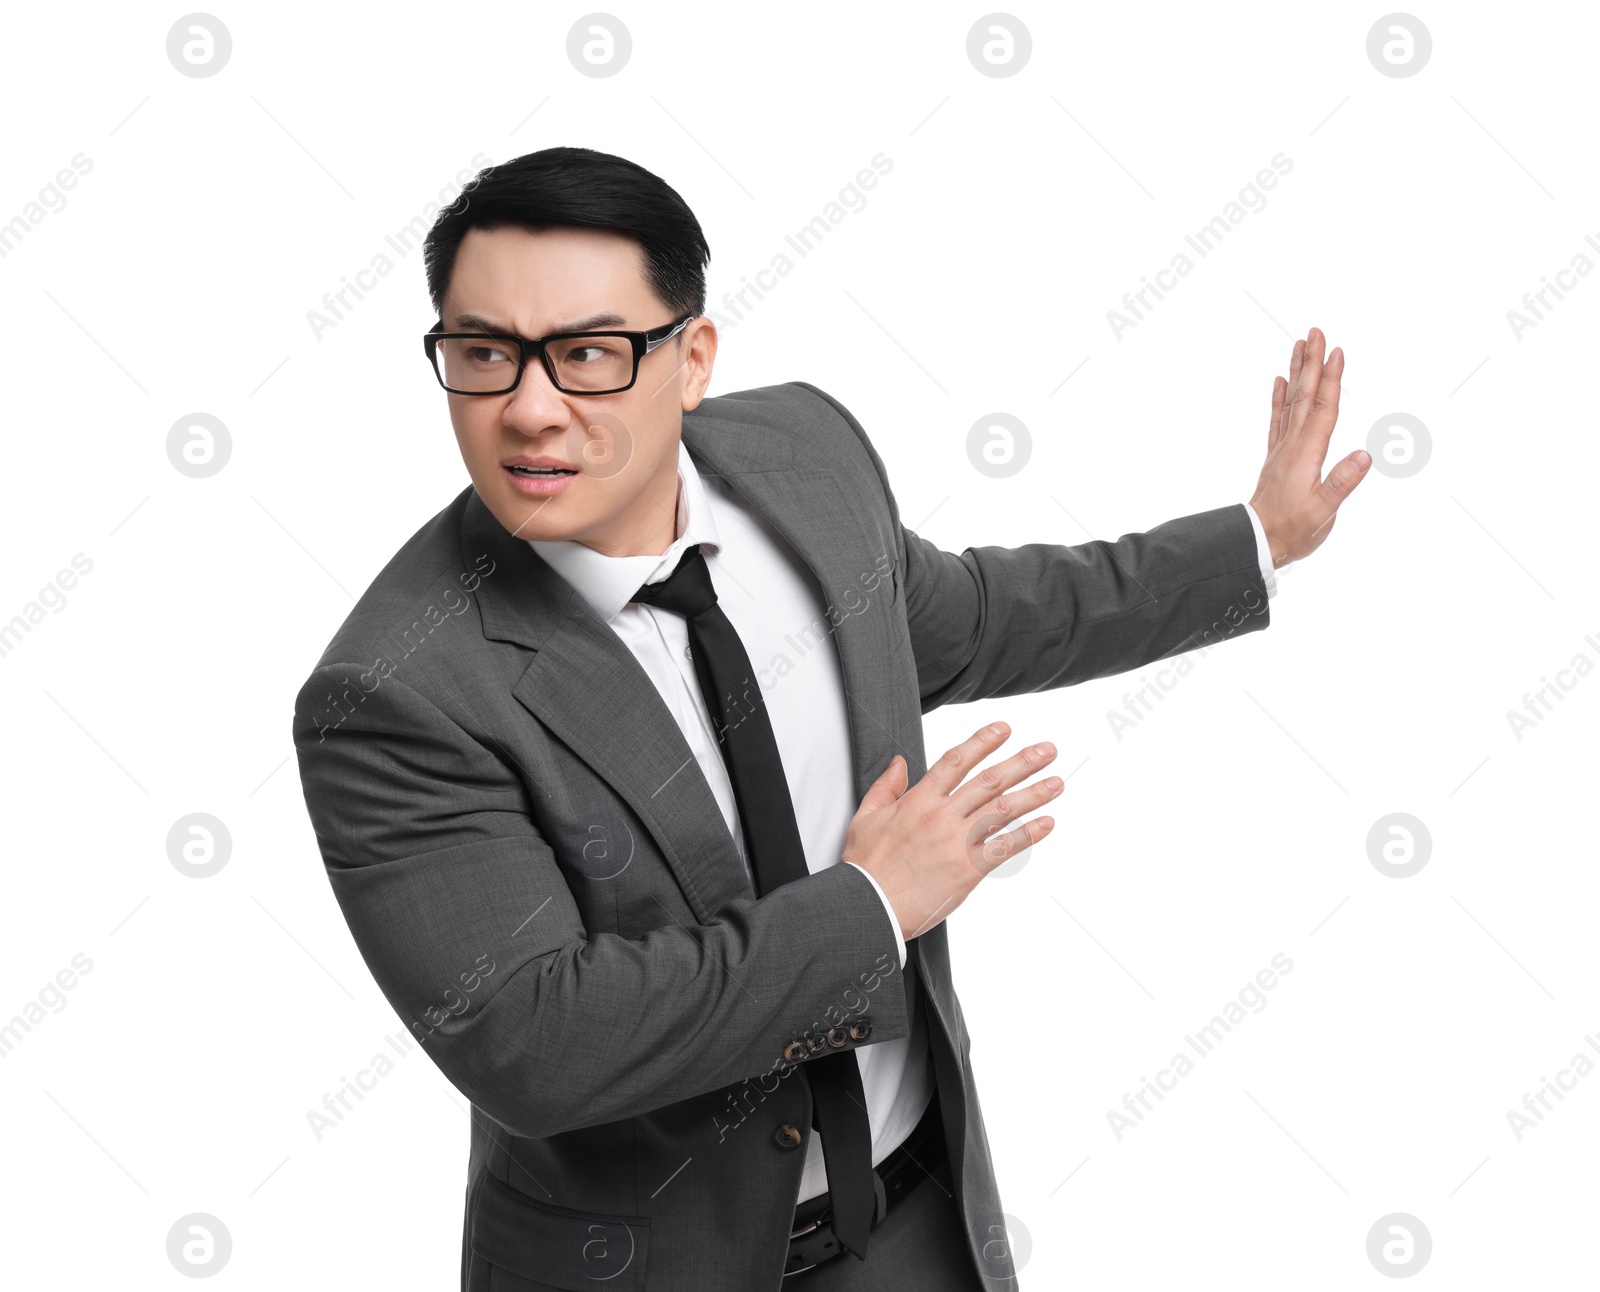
[(1001, 621), (888, 906), (460, 909)]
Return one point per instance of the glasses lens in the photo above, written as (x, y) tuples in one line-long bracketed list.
[(477, 364), (592, 363)]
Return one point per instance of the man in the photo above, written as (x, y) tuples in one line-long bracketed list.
[(585, 759)]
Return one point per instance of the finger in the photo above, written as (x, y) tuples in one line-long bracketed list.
[(1280, 393), (997, 851), (1305, 392), (1296, 359), (1343, 479), (1324, 409), (1002, 811), (953, 766), (983, 787)]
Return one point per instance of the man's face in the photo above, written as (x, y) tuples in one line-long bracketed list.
[(621, 449)]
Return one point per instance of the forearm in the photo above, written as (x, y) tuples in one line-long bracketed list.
[(610, 1027), (997, 621)]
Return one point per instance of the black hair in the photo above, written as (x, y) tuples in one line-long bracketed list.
[(579, 187)]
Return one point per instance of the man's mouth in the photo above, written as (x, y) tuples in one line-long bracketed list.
[(541, 472)]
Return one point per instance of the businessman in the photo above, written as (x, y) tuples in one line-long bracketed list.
[(617, 770)]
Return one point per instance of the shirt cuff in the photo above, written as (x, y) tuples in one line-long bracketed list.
[(1269, 576), (894, 920)]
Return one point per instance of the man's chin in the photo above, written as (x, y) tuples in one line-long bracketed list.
[(545, 518)]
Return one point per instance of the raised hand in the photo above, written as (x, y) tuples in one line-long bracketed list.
[(1296, 505)]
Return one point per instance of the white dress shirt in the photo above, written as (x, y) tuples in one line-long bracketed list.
[(775, 605)]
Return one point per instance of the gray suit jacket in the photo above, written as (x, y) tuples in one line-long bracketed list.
[(546, 892)]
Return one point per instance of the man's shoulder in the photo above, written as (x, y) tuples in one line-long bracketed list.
[(793, 424), (429, 575)]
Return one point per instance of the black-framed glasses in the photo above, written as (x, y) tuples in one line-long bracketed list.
[(577, 363)]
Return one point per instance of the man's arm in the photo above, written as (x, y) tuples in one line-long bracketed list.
[(440, 872), (998, 621)]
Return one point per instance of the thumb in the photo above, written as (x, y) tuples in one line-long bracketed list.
[(887, 788), (1344, 477)]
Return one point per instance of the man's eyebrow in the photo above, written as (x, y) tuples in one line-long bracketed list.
[(477, 323)]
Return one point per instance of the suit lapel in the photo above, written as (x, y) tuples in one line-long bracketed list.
[(586, 687), (821, 520)]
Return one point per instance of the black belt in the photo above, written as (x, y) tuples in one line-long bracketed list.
[(921, 1153)]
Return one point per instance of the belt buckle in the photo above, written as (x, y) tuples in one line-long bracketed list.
[(801, 1233), (880, 1210)]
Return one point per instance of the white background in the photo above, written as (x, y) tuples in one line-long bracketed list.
[(1228, 826)]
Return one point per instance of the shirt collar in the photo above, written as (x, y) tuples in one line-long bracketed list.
[(608, 582)]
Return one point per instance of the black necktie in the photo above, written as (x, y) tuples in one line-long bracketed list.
[(772, 838)]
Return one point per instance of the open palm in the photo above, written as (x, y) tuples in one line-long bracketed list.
[(1297, 506)]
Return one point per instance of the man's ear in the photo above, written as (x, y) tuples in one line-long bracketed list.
[(699, 341)]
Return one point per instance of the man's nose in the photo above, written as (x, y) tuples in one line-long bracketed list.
[(536, 405)]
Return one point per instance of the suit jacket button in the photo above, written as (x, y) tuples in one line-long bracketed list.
[(787, 1136), (815, 1044), (837, 1036), (861, 1029), (794, 1051)]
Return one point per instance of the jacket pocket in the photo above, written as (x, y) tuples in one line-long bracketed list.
[(574, 1250)]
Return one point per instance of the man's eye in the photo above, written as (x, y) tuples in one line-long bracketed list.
[(484, 354), (588, 353)]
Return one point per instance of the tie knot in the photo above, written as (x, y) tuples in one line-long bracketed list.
[(687, 591)]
